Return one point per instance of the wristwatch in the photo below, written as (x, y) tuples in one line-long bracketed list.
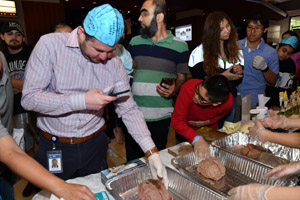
[(265, 70), (151, 151)]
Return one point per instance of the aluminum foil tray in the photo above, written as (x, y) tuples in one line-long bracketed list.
[(275, 154), (239, 171), (181, 188)]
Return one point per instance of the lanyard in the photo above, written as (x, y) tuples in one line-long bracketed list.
[(54, 140)]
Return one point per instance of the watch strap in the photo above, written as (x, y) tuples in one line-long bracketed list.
[(265, 70), (151, 151)]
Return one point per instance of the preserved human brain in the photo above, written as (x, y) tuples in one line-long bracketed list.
[(251, 151), (211, 168), (153, 189)]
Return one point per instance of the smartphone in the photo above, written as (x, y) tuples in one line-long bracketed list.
[(118, 93), (166, 80)]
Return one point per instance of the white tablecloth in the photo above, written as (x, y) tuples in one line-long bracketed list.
[(93, 181)]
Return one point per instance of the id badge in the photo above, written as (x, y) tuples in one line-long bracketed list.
[(55, 161)]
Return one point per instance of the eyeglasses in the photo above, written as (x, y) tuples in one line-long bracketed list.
[(200, 98), (250, 28)]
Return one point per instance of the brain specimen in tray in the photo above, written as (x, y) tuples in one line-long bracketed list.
[(251, 151), (211, 168), (153, 189)]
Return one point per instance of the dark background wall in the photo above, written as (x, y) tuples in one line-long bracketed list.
[(39, 17)]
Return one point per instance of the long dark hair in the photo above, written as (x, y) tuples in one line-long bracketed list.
[(211, 43)]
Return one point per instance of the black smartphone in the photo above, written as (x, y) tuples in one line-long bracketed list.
[(166, 80), (118, 93)]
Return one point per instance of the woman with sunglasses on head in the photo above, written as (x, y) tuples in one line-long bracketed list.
[(201, 103), (219, 53)]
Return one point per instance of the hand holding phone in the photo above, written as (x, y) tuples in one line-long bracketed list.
[(118, 93), (168, 81)]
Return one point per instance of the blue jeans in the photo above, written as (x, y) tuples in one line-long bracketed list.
[(6, 189)]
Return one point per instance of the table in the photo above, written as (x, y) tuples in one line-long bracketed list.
[(93, 181)]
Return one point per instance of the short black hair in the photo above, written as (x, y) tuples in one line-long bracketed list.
[(258, 17), (217, 87), (291, 33)]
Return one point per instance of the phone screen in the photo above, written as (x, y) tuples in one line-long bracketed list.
[(168, 81)]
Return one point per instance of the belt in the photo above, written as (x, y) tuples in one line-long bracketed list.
[(73, 140)]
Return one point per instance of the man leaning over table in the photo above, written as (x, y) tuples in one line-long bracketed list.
[(68, 80), (201, 103), (12, 156)]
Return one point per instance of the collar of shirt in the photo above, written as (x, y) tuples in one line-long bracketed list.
[(73, 39), (258, 46), (168, 39)]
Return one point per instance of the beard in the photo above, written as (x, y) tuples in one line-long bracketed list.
[(149, 31), (15, 47)]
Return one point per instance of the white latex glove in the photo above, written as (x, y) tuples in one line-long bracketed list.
[(284, 170), (157, 169), (259, 63), (201, 148), (258, 132), (252, 191), (274, 121)]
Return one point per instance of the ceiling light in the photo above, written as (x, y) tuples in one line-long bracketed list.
[(8, 7), (82, 7), (128, 11), (94, 2)]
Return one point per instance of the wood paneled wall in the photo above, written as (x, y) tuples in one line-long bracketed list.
[(39, 17)]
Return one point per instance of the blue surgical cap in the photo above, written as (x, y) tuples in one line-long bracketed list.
[(105, 23), (291, 40)]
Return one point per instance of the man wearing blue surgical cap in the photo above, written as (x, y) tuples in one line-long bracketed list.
[(287, 70), (69, 79)]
